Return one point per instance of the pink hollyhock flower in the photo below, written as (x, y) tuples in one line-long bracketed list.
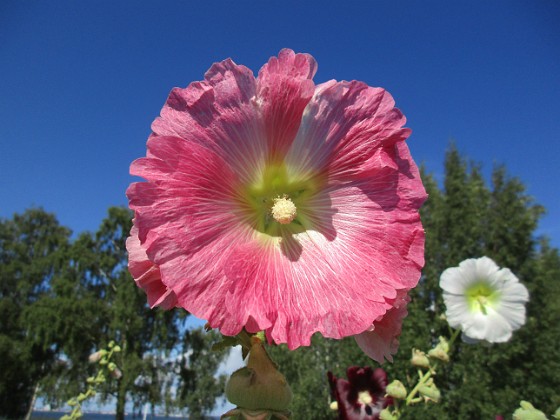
[(362, 396), (275, 204)]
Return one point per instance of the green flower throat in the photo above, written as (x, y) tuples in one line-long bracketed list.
[(278, 202)]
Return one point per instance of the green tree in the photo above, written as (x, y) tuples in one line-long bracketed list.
[(141, 332), (62, 300), (33, 250), (199, 384)]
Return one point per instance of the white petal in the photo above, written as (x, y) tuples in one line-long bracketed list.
[(491, 327), (514, 313), (514, 292), (458, 312), (456, 279), (468, 339), (485, 268)]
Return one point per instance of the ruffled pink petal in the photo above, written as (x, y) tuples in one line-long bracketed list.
[(381, 342), (147, 275), (285, 86), (190, 221), (220, 114)]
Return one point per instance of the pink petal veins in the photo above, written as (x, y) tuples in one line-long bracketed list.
[(147, 275)]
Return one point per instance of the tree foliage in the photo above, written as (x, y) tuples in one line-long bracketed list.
[(32, 252), (61, 300)]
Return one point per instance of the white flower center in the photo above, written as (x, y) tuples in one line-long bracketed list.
[(284, 210), (365, 398), (481, 296)]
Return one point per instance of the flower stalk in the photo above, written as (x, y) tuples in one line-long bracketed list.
[(103, 358)]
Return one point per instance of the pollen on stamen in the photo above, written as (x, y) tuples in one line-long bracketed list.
[(284, 210)]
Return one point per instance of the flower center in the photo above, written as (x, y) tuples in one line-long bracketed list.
[(481, 296), (365, 398), (278, 202), (284, 210)]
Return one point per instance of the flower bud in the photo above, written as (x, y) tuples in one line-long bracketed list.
[(528, 412), (430, 392), (116, 373), (386, 415), (419, 359), (396, 389), (96, 357), (441, 351), (259, 385), (117, 349)]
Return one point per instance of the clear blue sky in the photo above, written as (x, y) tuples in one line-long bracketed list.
[(81, 81)]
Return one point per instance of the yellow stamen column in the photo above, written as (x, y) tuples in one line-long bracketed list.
[(284, 210)]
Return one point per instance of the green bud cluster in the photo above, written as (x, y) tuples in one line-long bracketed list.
[(103, 358)]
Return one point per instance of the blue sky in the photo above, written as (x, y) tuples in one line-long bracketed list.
[(81, 82)]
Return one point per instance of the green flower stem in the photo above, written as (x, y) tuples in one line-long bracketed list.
[(424, 377), (93, 382), (453, 337)]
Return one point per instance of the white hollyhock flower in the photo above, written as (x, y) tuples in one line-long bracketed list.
[(485, 302)]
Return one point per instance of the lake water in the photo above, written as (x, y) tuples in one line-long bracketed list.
[(49, 415)]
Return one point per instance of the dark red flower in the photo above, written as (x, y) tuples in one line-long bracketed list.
[(362, 396)]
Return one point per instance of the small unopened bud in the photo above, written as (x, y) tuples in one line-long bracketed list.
[(96, 357), (386, 415), (430, 392), (111, 366), (334, 405), (117, 349), (528, 412), (396, 390), (116, 373), (419, 359), (441, 351), (81, 397), (259, 385)]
